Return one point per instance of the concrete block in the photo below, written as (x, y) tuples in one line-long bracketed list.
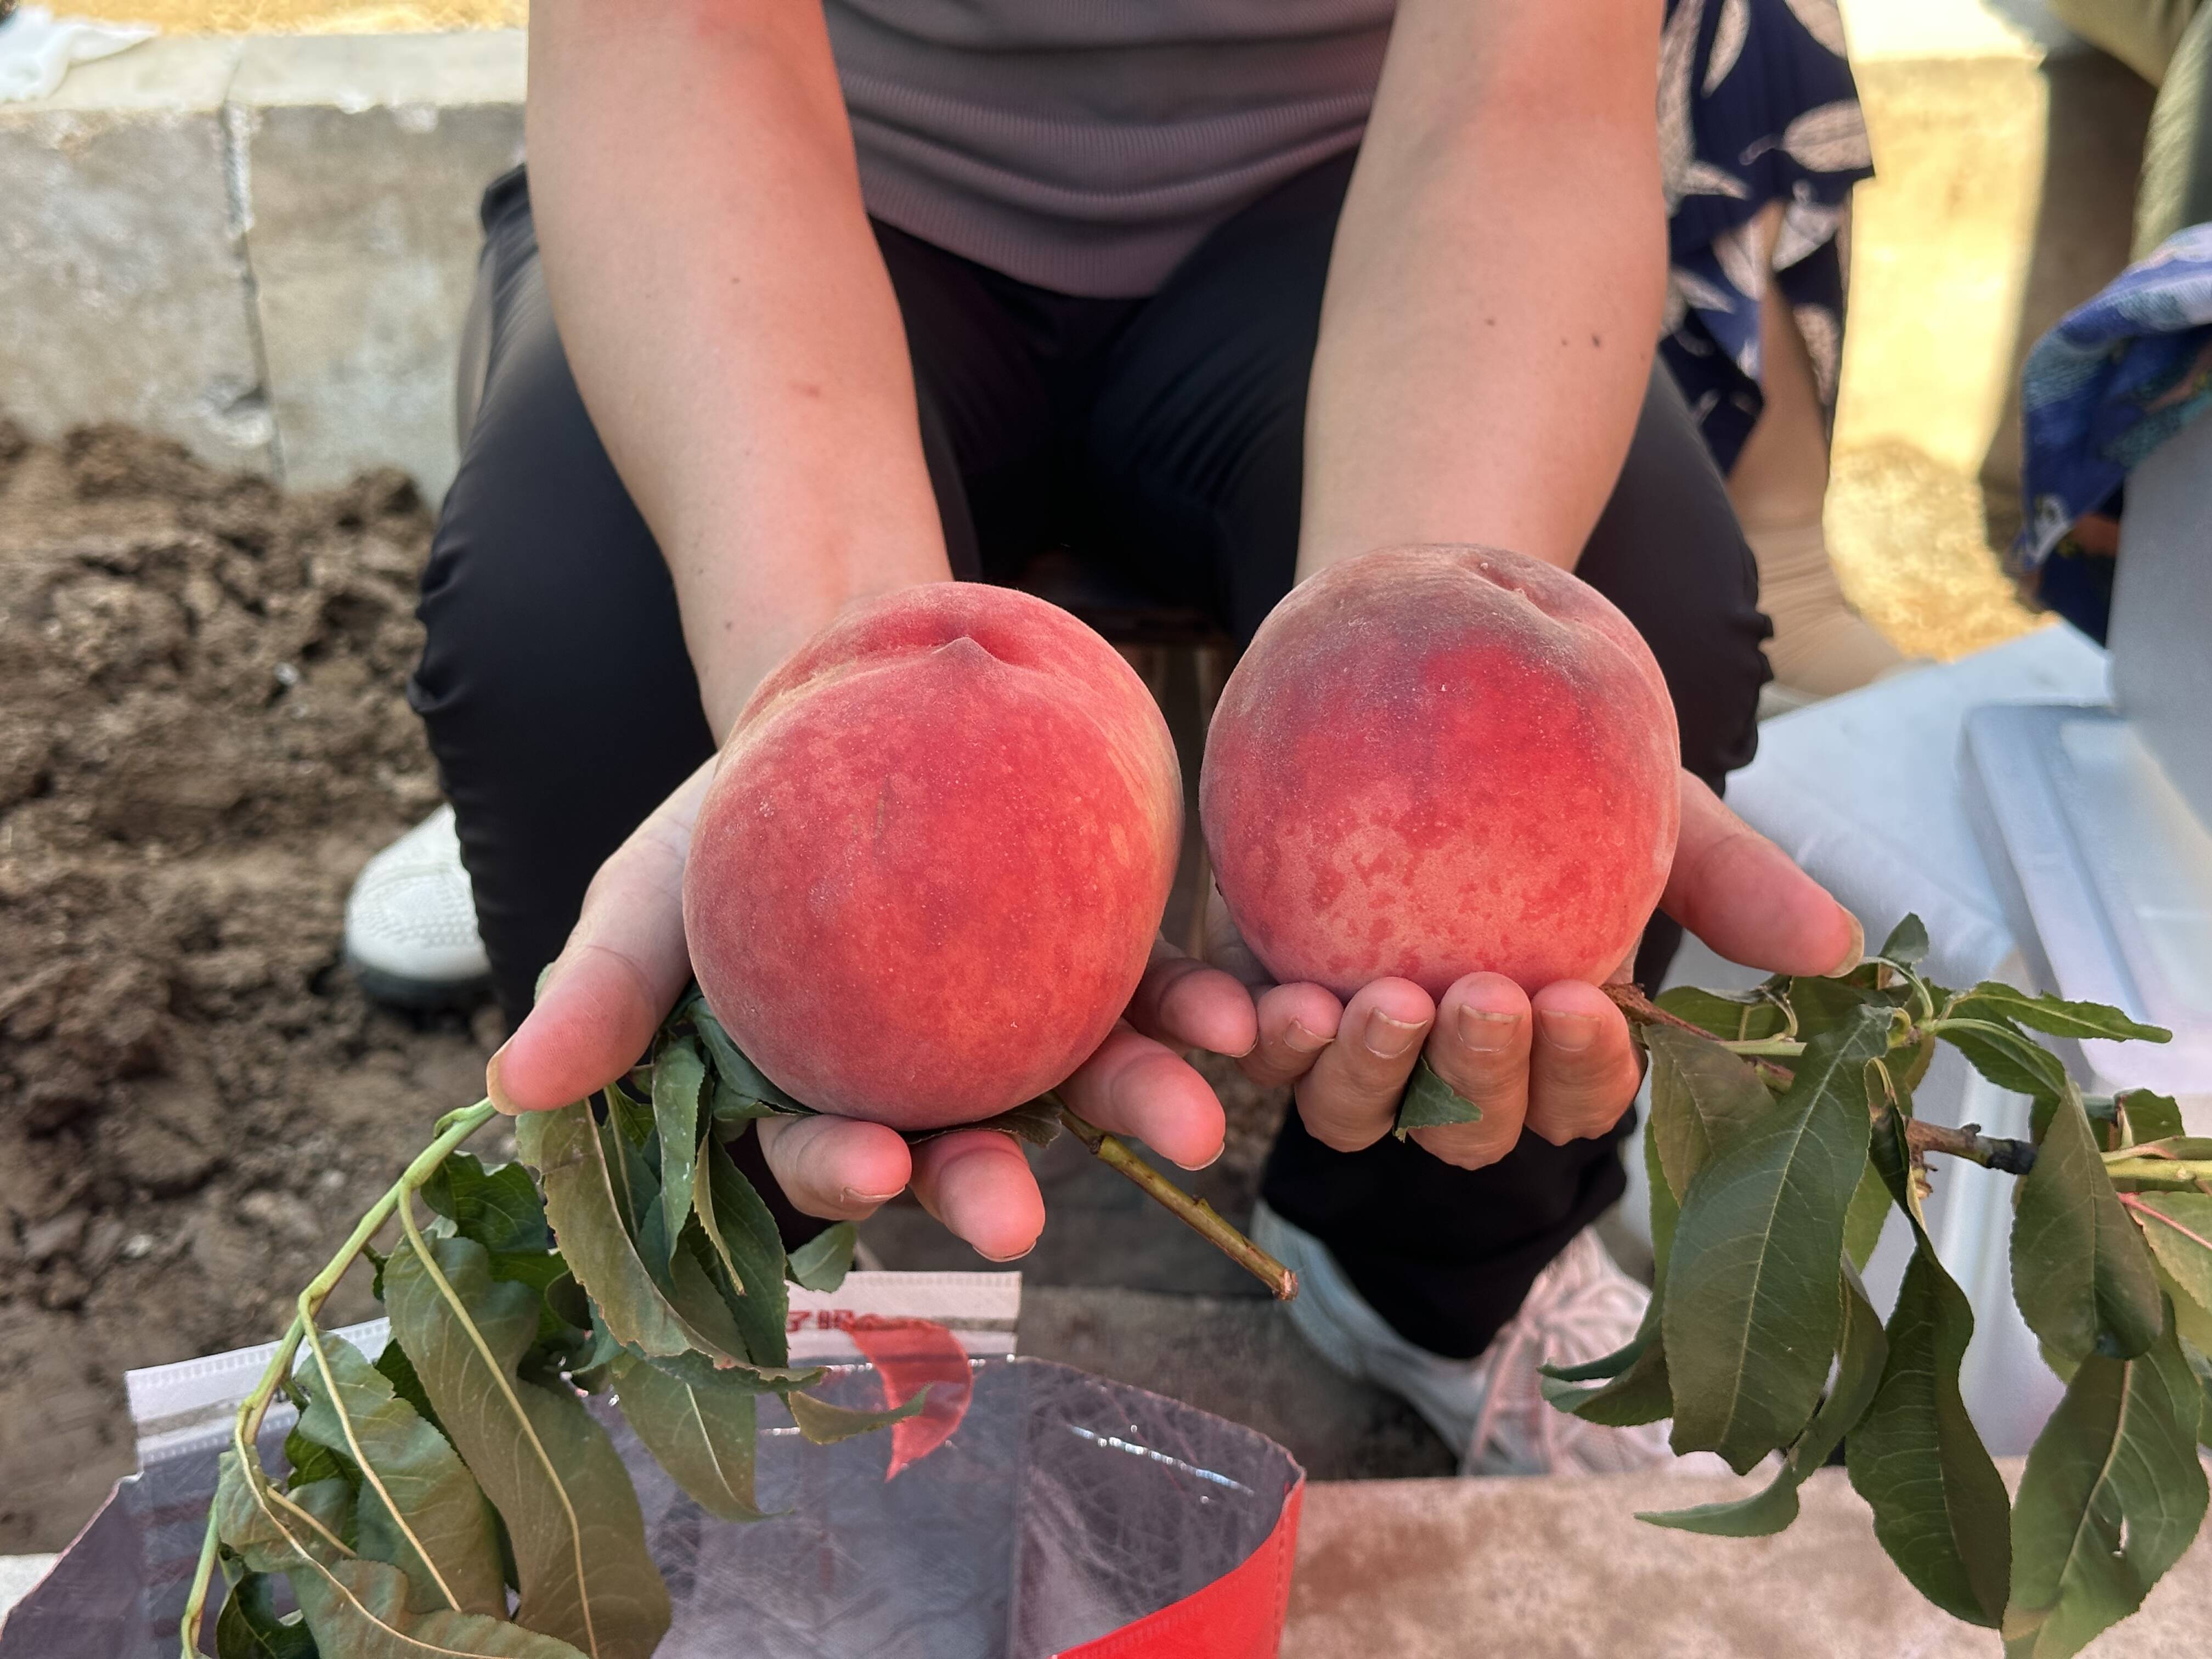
[(124, 290), (363, 159)]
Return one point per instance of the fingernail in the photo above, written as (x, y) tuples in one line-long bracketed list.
[(1857, 954), (493, 1091), (1300, 1040), (1484, 1029), (854, 1195), (1569, 1033), (1389, 1038), (1016, 1256), (1209, 1163)]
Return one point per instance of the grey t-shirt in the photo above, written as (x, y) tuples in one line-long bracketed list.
[(1088, 145)]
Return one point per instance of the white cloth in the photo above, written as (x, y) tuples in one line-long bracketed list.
[(38, 48)]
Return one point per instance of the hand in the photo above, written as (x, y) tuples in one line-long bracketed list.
[(625, 965), (1558, 1064)]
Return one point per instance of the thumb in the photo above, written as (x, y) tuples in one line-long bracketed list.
[(620, 973), (1744, 895)]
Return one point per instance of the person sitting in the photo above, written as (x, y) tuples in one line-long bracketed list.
[(794, 306)]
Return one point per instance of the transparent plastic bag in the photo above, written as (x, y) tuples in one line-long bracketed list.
[(1065, 1514)]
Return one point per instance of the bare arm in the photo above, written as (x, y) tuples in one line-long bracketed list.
[(735, 339), (728, 315), (1492, 307), (1494, 297)]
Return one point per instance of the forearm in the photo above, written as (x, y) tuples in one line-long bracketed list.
[(1494, 298), (728, 316)]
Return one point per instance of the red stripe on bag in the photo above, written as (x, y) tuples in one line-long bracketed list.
[(1238, 1616)]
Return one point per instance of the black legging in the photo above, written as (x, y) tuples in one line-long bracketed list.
[(1164, 433)]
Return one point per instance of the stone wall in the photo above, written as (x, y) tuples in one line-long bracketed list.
[(260, 247)]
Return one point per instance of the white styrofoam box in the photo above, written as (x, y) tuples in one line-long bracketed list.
[(1863, 791), (2107, 875), (2162, 611)]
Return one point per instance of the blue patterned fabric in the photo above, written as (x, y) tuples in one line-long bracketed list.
[(1757, 107), (2117, 377)]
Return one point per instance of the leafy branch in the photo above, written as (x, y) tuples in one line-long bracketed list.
[(1771, 1184), (626, 1253)]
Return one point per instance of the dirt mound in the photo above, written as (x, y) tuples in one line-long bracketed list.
[(205, 735)]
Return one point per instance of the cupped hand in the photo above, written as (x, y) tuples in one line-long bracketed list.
[(625, 963), (1558, 1064)]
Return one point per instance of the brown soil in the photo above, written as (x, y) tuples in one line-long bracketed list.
[(203, 738)]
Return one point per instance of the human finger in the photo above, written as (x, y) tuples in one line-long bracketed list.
[(1744, 896), (1296, 1022), (977, 1183), (618, 976), (837, 1168), (1134, 1086), (1349, 1099), (1186, 1004), (1480, 1048), (1582, 1069)]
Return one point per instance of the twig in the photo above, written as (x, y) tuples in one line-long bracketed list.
[(1967, 1141), (1641, 1010), (453, 1128), (2160, 1172), (1195, 1213)]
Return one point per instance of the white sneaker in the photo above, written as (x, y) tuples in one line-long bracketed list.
[(410, 926), (1581, 1308)]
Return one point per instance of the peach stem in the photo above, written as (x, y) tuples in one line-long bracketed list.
[(1195, 1213)]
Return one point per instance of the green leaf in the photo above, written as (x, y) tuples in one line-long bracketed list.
[(419, 1509), (498, 1207), (1907, 943), (1430, 1103), (2112, 1495), (703, 1436), (2080, 1274), (581, 1197), (1864, 1220), (2008, 1056), (629, 1116), (1751, 1308), (742, 1091), (2056, 1016), (1740, 1016), (1037, 1122), (2178, 1227), (572, 1516), (1823, 1005), (1703, 1099), (399, 1371), (1635, 1389), (679, 1074), (2151, 1116), (825, 1425), (741, 1236), (1939, 1504), (356, 1609), (308, 1462), (822, 1262), (1858, 1374), (249, 1626)]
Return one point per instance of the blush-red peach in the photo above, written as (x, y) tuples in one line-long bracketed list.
[(927, 877), (1436, 760)]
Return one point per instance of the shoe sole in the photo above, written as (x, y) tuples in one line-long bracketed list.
[(418, 995)]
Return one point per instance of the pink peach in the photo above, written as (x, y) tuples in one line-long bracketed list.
[(1436, 760), (927, 877)]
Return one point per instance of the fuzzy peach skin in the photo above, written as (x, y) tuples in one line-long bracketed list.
[(1434, 761), (927, 878)]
